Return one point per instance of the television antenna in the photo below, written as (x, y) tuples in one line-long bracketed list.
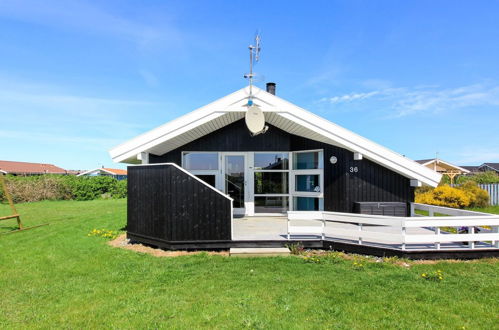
[(255, 119), (254, 52)]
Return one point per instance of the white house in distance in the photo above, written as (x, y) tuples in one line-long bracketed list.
[(112, 172)]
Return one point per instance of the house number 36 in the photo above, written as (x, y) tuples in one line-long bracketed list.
[(354, 169)]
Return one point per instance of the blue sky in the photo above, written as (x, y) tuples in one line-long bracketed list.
[(79, 77)]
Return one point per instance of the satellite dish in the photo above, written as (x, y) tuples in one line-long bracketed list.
[(255, 120)]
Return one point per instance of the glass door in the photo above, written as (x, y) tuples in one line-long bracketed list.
[(235, 180)]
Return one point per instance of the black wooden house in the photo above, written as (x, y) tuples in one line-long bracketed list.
[(193, 173)]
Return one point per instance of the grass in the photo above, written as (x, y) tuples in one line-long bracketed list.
[(57, 276), (488, 209)]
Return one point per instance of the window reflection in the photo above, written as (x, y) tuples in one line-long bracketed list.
[(271, 183), (271, 161), (307, 204), (308, 183), (200, 161), (306, 160)]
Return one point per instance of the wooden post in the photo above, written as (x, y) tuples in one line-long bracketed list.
[(11, 203)]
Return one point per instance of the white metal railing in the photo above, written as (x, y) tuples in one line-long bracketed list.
[(417, 233)]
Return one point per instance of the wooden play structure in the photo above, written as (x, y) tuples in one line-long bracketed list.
[(15, 214)]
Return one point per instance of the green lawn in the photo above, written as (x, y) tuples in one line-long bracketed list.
[(57, 276), (489, 209)]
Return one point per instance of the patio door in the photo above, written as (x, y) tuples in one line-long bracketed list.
[(235, 180)]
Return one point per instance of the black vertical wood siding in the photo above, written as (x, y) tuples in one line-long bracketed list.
[(372, 182), (166, 203)]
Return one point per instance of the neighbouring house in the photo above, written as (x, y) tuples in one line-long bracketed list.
[(193, 173), (472, 169), (116, 173), (485, 167), (443, 167), (25, 168)]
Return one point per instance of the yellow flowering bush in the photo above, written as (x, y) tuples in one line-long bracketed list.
[(358, 263), (445, 196), (478, 196), (433, 276), (106, 233)]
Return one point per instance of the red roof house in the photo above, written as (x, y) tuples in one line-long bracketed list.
[(24, 168)]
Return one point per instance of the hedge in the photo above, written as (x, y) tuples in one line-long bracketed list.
[(63, 187)]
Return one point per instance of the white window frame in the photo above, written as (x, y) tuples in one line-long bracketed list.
[(318, 171), (216, 173), (252, 173)]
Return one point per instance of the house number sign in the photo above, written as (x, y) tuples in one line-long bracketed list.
[(354, 169)]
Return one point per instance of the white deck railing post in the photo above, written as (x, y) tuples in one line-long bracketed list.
[(289, 235), (471, 244), (496, 231), (323, 227), (403, 238), (360, 233), (437, 232)]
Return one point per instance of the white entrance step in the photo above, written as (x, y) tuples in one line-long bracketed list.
[(258, 252)]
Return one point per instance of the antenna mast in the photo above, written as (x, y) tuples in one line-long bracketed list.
[(254, 52)]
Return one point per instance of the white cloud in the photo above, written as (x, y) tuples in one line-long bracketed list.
[(350, 97), (400, 102)]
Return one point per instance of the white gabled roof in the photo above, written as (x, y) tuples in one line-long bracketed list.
[(439, 161), (279, 113)]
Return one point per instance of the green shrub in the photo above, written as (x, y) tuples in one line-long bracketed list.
[(37, 188), (120, 189), (480, 178), (63, 187)]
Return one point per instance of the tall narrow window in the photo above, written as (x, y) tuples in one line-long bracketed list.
[(271, 182), (307, 178)]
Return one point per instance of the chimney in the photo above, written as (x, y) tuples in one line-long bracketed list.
[(271, 88)]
